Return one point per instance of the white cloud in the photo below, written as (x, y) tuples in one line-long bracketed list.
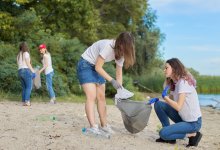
[(199, 49), (187, 5), (168, 25), (215, 60), (204, 48), (205, 66), (209, 66)]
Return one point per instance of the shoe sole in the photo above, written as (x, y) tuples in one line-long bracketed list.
[(166, 141)]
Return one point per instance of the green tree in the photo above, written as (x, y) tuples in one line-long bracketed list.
[(68, 27), (148, 38), (76, 18), (119, 15)]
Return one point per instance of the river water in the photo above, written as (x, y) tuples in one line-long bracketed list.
[(212, 100)]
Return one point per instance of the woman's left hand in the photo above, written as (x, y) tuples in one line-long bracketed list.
[(165, 91)]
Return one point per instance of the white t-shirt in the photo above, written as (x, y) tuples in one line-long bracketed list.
[(191, 110), (21, 60), (47, 58), (104, 48)]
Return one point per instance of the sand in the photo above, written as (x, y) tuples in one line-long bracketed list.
[(57, 127)]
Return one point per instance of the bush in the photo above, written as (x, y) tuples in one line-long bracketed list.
[(9, 76), (151, 82), (8, 65)]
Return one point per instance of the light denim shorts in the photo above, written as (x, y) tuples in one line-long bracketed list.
[(86, 73)]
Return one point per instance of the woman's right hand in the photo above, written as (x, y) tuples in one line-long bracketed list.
[(115, 84)]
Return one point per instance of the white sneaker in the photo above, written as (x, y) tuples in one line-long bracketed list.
[(52, 101), (107, 129), (95, 132)]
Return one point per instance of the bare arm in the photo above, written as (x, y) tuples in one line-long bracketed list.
[(27, 60), (45, 64), (176, 105), (119, 74), (99, 68)]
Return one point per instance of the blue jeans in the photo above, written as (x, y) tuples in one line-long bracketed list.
[(49, 84), (25, 76), (86, 73), (178, 130)]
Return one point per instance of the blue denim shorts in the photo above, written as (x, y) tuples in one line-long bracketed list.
[(86, 73)]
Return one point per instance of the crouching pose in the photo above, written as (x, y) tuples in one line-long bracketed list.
[(182, 106)]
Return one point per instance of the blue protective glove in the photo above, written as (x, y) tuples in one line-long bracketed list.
[(33, 75), (153, 100), (165, 91)]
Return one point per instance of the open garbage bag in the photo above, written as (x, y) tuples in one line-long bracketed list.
[(135, 114)]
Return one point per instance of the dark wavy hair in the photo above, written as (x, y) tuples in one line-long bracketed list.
[(23, 47), (179, 71)]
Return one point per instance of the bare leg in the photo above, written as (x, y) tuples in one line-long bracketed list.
[(191, 134), (90, 91), (101, 104)]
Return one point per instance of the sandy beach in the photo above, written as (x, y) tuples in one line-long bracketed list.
[(57, 127)]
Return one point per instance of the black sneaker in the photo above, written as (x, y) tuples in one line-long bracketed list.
[(194, 141), (166, 141)]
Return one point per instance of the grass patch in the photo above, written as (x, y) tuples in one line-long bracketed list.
[(71, 98), (8, 96), (68, 98)]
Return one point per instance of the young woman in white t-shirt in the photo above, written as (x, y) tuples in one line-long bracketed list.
[(25, 73), (182, 106), (48, 70), (92, 76)]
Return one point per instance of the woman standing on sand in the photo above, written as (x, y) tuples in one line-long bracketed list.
[(25, 72), (92, 76), (48, 70)]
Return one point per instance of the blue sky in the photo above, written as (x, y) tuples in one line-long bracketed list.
[(192, 29)]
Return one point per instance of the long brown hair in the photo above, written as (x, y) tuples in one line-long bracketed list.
[(124, 47), (23, 47), (179, 71)]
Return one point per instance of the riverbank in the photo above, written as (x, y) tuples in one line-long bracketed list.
[(44, 126)]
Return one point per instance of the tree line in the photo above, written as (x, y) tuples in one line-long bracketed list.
[(68, 27)]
